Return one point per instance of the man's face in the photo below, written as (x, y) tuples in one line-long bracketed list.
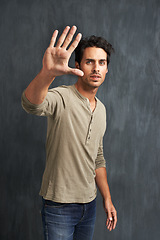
[(94, 66)]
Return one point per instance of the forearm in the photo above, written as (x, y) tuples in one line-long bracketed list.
[(38, 88), (102, 183)]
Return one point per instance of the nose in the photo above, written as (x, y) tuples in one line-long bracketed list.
[(96, 67)]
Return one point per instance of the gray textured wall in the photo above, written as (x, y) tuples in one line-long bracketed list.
[(130, 94)]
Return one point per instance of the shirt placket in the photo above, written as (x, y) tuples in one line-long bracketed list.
[(88, 137)]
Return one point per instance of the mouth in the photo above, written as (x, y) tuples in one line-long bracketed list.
[(95, 77)]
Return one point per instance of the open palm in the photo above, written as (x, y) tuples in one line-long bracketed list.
[(56, 58)]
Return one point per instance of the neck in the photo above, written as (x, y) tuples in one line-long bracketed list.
[(86, 91)]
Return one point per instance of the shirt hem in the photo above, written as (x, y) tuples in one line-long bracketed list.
[(54, 199)]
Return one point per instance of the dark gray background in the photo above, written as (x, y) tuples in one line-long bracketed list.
[(130, 94)]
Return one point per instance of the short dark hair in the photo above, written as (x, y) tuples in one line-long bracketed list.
[(93, 41)]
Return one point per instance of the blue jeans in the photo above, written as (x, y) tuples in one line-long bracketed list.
[(68, 221)]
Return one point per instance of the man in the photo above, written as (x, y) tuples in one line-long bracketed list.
[(74, 146)]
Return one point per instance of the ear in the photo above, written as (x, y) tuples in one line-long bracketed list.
[(77, 65)]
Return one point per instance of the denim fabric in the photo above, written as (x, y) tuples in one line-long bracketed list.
[(68, 221)]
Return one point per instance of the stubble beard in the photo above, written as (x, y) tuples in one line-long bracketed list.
[(90, 84)]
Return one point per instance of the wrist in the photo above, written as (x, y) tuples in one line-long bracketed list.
[(107, 198), (47, 75)]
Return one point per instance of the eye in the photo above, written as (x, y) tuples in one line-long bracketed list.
[(89, 62), (102, 62)]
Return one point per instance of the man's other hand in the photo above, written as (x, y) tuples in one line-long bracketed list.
[(111, 214)]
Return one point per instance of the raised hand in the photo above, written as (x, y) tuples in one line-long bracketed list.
[(56, 58)]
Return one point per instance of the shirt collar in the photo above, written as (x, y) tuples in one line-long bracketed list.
[(80, 95)]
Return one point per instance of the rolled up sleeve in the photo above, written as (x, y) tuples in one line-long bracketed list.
[(52, 104)]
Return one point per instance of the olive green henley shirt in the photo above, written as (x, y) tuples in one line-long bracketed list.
[(74, 144)]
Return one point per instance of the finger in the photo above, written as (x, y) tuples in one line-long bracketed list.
[(53, 39), (75, 71), (69, 37), (75, 43), (109, 225), (109, 220), (115, 221), (63, 36), (109, 217)]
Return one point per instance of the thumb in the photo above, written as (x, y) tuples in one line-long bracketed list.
[(75, 71)]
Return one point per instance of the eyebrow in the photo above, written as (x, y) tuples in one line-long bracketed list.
[(90, 59)]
